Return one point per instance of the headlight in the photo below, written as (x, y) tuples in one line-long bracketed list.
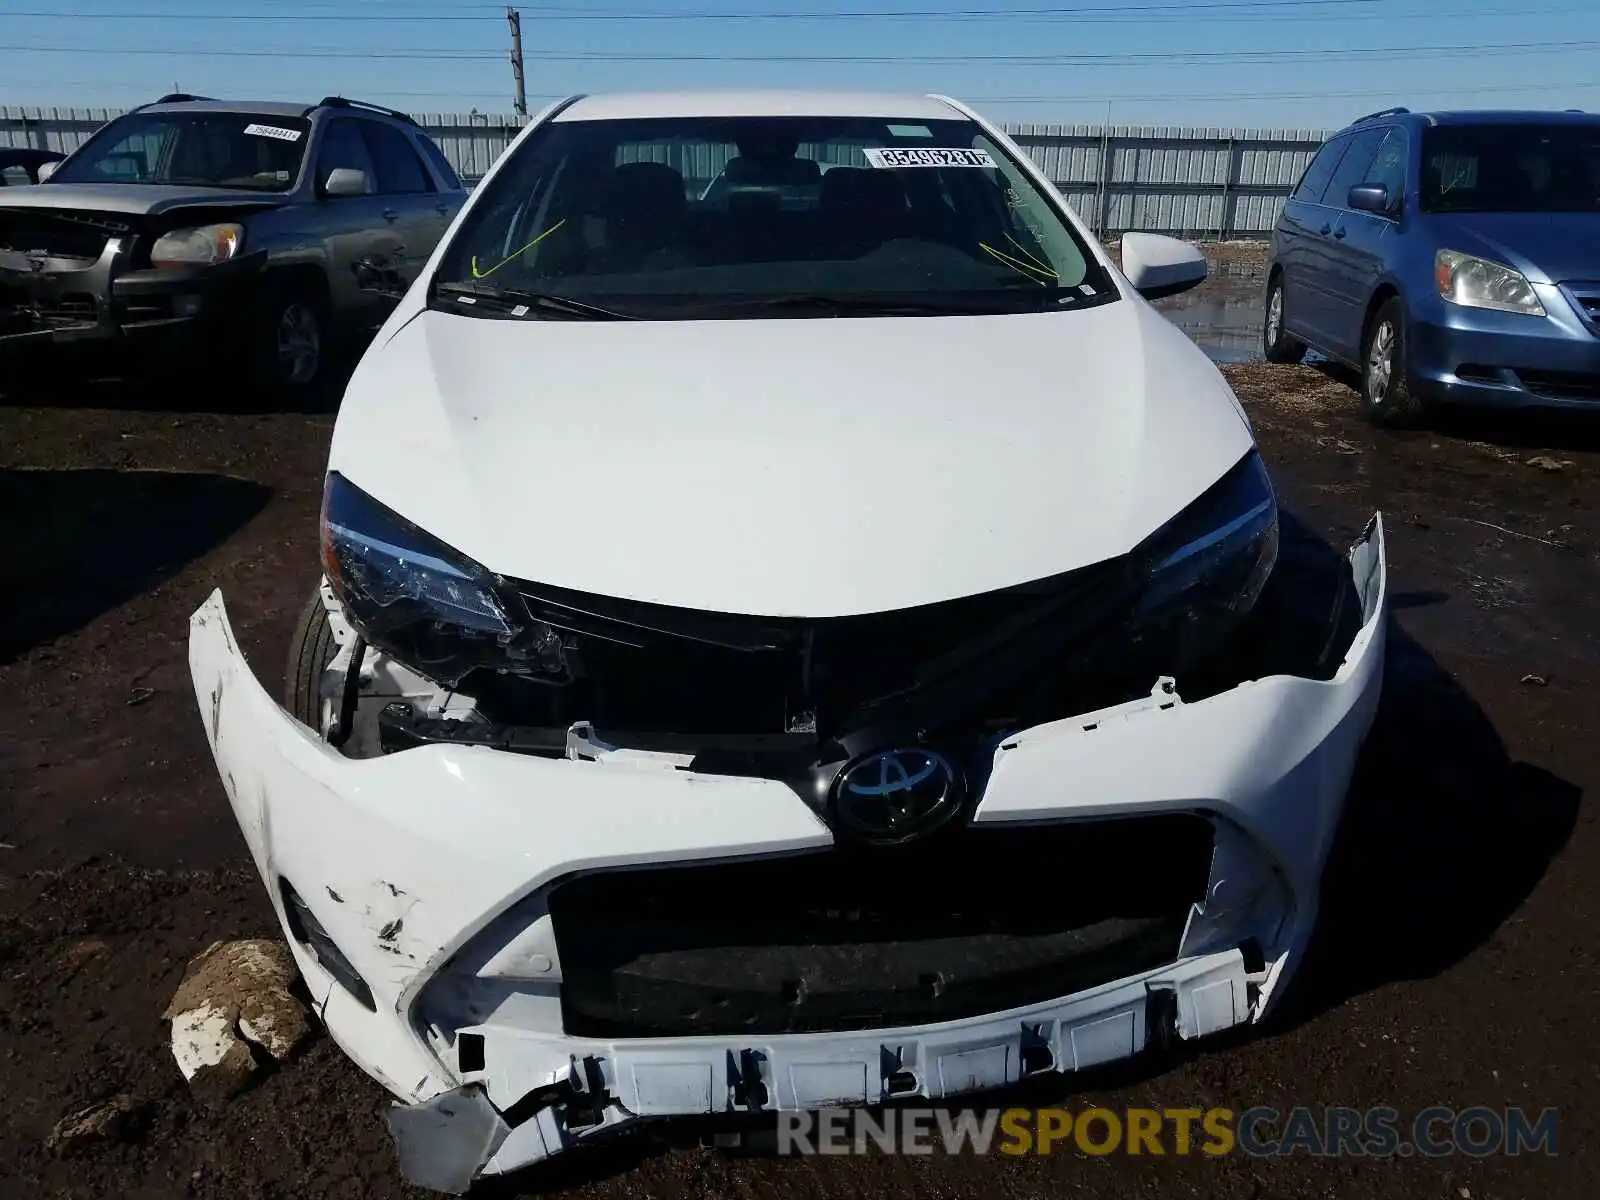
[(412, 596), (1204, 569), (1478, 283), (202, 246)]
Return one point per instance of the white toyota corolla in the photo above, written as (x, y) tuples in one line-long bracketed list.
[(798, 628)]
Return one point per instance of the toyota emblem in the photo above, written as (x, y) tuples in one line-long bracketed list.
[(897, 795)]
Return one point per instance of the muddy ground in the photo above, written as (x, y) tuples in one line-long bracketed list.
[(1456, 964)]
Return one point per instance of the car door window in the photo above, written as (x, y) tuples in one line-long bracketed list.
[(342, 146), (1352, 167), (1315, 180), (400, 171), (441, 165), (1389, 166)]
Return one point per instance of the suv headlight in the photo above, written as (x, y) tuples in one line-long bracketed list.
[(1478, 283), (412, 596), (1204, 569), (201, 246)]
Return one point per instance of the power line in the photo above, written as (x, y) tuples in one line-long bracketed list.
[(1084, 98), (1086, 16), (1186, 57), (588, 13)]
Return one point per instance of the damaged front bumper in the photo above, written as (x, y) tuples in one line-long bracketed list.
[(431, 897)]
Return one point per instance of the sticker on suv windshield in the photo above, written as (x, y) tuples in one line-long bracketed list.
[(273, 131), (889, 158)]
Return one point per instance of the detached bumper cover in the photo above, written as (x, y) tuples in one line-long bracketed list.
[(432, 871)]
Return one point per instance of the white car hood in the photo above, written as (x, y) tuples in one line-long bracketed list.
[(809, 467)]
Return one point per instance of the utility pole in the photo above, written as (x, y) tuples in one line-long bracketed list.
[(514, 18)]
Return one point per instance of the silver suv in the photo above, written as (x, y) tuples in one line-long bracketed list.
[(199, 224)]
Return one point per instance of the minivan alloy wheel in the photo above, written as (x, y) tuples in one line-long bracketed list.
[(1380, 363), (1275, 315)]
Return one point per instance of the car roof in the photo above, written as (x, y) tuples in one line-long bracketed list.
[(619, 106), (265, 108), (1513, 117), (1475, 116)]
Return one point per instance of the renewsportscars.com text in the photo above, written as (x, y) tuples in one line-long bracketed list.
[(1333, 1131)]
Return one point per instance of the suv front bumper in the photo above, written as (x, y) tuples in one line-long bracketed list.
[(429, 870), (47, 300)]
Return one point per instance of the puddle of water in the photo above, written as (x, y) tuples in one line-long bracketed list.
[(1222, 316)]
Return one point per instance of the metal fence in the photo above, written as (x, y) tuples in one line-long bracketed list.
[(1214, 183)]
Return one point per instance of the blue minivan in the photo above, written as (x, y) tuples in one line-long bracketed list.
[(1448, 257)]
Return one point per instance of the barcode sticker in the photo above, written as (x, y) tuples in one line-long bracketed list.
[(889, 158), (273, 131)]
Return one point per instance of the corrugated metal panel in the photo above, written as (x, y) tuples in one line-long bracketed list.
[(1212, 182)]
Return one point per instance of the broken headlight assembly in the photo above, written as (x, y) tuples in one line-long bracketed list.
[(413, 597), (1205, 569)]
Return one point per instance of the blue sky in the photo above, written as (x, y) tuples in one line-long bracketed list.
[(1289, 63)]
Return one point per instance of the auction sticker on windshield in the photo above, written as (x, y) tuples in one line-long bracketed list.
[(889, 158), (274, 131)]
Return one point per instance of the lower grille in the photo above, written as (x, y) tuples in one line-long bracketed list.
[(71, 309), (977, 922), (1562, 385)]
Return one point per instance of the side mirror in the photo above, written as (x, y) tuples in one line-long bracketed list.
[(346, 181), (47, 169), (1160, 266), (1368, 197)]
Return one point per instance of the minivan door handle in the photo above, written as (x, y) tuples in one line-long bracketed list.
[(389, 214)]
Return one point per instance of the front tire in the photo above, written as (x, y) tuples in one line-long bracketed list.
[(311, 649), (1386, 392), (291, 336), (1276, 345)]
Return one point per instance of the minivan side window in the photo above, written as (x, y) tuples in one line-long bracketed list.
[(1353, 166), (1321, 170), (1389, 166)]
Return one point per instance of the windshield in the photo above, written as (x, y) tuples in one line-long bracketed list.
[(210, 149), (715, 217), (1511, 168)]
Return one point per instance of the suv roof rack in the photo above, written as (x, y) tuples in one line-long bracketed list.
[(1397, 111), (344, 102)]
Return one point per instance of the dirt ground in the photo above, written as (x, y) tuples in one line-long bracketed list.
[(1456, 964)]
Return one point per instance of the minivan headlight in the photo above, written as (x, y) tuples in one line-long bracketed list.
[(1478, 283), (429, 606)]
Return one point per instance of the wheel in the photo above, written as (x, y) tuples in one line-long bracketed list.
[(311, 649), (1276, 345), (291, 333), (1386, 391)]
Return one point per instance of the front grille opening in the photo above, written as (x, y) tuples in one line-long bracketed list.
[(1563, 385), (979, 921), (1476, 373), (646, 667), (64, 234)]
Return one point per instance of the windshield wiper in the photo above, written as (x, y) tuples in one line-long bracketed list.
[(544, 304), (878, 306)]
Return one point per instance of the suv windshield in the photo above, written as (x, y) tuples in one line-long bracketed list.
[(697, 217), (1511, 168), (201, 149)]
